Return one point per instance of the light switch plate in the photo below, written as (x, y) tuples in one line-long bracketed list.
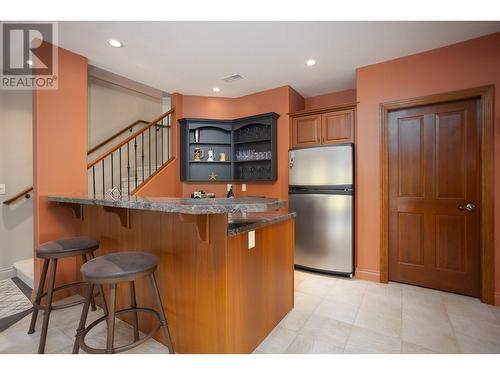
[(228, 187), (251, 239), (2, 189), (243, 187)]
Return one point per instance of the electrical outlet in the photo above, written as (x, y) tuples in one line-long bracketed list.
[(243, 187), (251, 239), (2, 189), (228, 187)]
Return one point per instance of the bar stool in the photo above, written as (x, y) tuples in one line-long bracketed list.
[(110, 270), (50, 252)]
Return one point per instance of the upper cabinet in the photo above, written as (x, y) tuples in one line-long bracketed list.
[(323, 126)]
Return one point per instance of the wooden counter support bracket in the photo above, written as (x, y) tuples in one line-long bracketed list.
[(202, 225), (77, 208), (123, 214)]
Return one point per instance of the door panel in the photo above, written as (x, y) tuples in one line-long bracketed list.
[(306, 131), (337, 127), (434, 171)]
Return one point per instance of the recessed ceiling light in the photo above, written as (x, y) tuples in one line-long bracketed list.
[(216, 89), (29, 62), (115, 43), (311, 62)]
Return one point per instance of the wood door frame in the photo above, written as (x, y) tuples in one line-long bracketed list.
[(486, 94)]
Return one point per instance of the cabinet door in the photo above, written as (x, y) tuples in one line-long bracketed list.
[(306, 131), (337, 127)]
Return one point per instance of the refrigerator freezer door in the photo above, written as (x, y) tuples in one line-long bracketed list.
[(323, 231), (321, 166)]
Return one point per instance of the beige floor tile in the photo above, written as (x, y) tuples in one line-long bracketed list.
[(326, 329), (337, 310), (278, 341), (429, 316), (428, 335), (315, 286), (409, 348), (380, 314), (471, 345), (366, 341), (392, 291), (306, 302), (309, 345), (295, 319), (496, 311), (468, 307), (476, 328), (346, 292)]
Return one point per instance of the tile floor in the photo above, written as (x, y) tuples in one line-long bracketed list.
[(338, 315), (331, 315)]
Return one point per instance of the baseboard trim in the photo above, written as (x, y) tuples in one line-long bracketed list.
[(7, 273), (497, 299), (367, 275)]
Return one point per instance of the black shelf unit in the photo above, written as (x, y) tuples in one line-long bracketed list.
[(256, 136)]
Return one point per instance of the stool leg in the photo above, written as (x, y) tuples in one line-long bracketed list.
[(133, 304), (48, 307), (111, 319), (83, 318), (163, 319), (84, 260), (101, 292), (38, 299)]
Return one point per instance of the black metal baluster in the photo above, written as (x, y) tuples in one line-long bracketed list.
[(93, 178), (120, 156), (135, 160), (156, 147), (161, 136), (142, 155), (112, 179), (168, 137), (128, 168), (103, 188)]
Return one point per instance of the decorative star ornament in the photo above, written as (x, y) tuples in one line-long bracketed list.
[(212, 176)]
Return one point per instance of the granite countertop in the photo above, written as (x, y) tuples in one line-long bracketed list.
[(244, 222), (178, 205)]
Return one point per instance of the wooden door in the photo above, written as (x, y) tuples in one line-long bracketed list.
[(434, 173), (337, 127), (306, 131)]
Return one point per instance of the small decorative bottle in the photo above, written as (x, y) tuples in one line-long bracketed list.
[(230, 193)]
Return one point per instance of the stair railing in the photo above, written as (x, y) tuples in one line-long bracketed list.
[(135, 159)]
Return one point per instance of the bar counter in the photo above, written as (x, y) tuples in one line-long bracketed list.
[(221, 295)]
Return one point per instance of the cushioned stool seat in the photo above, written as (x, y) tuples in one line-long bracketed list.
[(118, 267), (67, 247)]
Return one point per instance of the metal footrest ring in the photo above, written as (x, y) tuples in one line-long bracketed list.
[(122, 348)]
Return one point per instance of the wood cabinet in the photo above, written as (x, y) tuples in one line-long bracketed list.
[(323, 126)]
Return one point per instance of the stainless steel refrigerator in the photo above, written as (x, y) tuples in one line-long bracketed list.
[(321, 193)]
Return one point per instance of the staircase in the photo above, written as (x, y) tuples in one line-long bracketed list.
[(134, 160)]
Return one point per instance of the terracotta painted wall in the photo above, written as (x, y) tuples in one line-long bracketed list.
[(332, 98), (281, 100), (60, 153), (468, 64)]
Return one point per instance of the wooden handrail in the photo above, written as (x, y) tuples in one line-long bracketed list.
[(129, 138), (20, 195), (115, 135)]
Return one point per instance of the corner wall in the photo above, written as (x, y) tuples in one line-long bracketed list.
[(60, 154), (460, 66)]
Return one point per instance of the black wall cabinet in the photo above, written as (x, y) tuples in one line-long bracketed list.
[(249, 145)]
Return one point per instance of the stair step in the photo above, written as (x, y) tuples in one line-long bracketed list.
[(25, 270)]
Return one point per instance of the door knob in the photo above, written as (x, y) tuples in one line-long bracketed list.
[(468, 207)]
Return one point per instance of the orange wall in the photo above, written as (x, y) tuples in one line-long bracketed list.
[(464, 65), (332, 98), (60, 153), (281, 100)]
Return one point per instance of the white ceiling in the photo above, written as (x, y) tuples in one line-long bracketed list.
[(193, 57)]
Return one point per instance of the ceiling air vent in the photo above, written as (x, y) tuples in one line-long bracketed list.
[(234, 77)]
